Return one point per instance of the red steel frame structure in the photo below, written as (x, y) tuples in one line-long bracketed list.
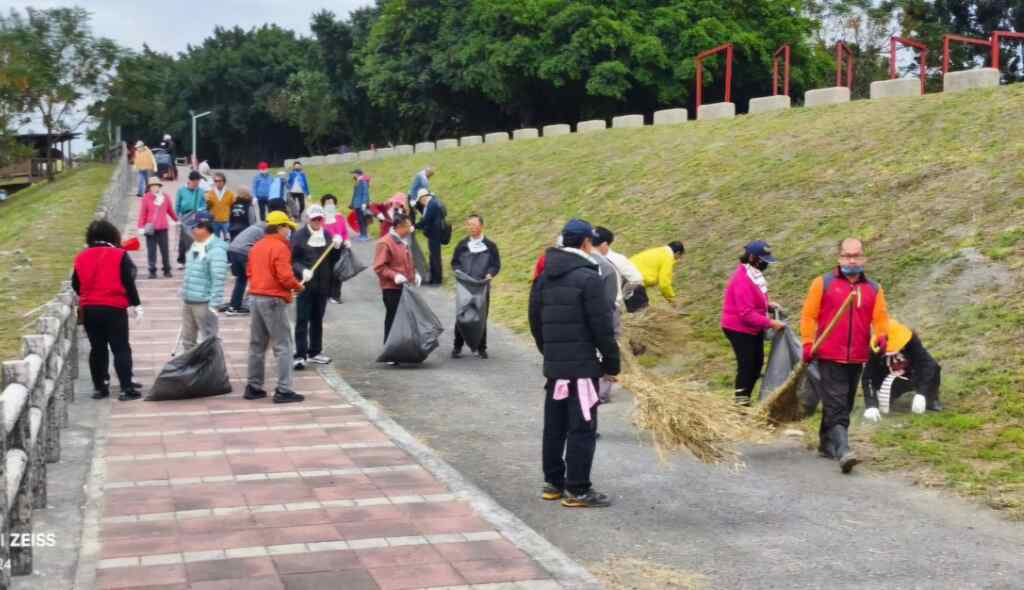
[(893, 42), (959, 39), (997, 38), (727, 48), (785, 51), (841, 50)]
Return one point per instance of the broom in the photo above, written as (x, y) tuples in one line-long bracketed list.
[(783, 405), (323, 256)]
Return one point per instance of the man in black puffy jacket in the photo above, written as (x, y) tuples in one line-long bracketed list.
[(571, 322)]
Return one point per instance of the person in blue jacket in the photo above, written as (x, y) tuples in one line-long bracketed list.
[(361, 201), (298, 189), (420, 181), (432, 224), (261, 184), (278, 193)]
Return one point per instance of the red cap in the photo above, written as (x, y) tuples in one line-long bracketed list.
[(131, 244), (263, 166)]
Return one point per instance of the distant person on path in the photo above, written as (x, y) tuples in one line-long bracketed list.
[(657, 266), (337, 226), (219, 202), (144, 164), (189, 201), (308, 245), (392, 261), (433, 225), (271, 283), (745, 307), (298, 189), (238, 259), (243, 212), (360, 202), (155, 214), (904, 365), (478, 257), (842, 355), (571, 323), (206, 267), (420, 181), (261, 184), (277, 201), (206, 181)]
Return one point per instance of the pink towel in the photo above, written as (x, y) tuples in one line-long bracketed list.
[(584, 391)]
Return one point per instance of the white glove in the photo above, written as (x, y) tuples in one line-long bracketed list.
[(872, 415), (214, 310), (419, 279), (336, 241), (380, 216), (412, 229), (137, 312), (306, 275), (400, 279), (348, 243), (918, 405)]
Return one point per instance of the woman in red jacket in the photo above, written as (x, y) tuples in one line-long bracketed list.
[(104, 279)]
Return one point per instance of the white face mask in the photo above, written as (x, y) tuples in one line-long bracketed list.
[(330, 210)]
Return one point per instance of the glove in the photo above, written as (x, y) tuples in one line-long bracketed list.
[(400, 279), (872, 415), (337, 242), (380, 216), (306, 275), (348, 243), (808, 355), (419, 280), (137, 310), (214, 310), (918, 405)]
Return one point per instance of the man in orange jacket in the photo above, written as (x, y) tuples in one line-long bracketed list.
[(271, 283), (842, 355)]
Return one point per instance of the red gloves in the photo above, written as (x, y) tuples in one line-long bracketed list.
[(808, 355)]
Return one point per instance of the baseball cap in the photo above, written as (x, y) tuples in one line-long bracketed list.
[(760, 249), (422, 193), (204, 216), (358, 171), (280, 218), (262, 166), (315, 211), (579, 229), (154, 180)]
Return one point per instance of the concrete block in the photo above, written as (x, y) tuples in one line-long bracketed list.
[(671, 116), (525, 134), (497, 137), (425, 147), (447, 144), (349, 157), (385, 153), (591, 126), (967, 79), (470, 140), (825, 96), (624, 121), (365, 155), (556, 129), (333, 159), (405, 150), (895, 88), (288, 163), (315, 161), (716, 110), (767, 104)]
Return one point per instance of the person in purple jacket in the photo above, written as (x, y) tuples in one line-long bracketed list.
[(745, 316)]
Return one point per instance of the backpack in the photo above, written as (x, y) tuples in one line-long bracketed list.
[(446, 228)]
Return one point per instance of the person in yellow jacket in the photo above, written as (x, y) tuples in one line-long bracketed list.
[(904, 365), (219, 202), (657, 266), (144, 164)]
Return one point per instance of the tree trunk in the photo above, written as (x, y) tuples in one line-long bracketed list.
[(49, 154)]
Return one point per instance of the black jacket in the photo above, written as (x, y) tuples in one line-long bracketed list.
[(571, 319), (305, 256), (924, 375), (432, 223), (479, 265)]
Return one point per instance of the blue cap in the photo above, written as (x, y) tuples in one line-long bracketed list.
[(203, 216), (577, 228), (760, 249)]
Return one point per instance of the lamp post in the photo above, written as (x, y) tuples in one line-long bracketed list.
[(194, 117)]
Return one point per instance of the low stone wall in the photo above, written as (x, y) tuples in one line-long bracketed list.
[(497, 137), (591, 126), (627, 121), (447, 144), (895, 88), (671, 116), (826, 96), (968, 79), (716, 110), (556, 130), (425, 147), (525, 134), (767, 104)]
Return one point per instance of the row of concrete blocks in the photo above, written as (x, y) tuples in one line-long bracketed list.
[(952, 82)]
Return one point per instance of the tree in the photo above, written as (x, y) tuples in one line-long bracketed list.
[(65, 65), (308, 105), (13, 80)]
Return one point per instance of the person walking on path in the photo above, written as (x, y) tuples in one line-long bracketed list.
[(298, 190), (154, 215), (433, 226), (337, 226), (278, 193), (745, 318), (219, 201), (261, 187), (271, 283), (188, 202), (656, 265), (841, 356), (145, 165), (479, 258), (206, 266), (392, 261), (206, 183), (308, 245), (420, 181), (243, 213), (361, 201), (104, 279), (571, 323)]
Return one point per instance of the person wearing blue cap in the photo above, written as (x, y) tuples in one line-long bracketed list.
[(745, 318), (572, 326)]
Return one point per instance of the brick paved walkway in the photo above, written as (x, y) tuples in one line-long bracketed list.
[(221, 493)]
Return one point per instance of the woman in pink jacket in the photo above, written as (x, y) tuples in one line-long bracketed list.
[(745, 316), (154, 212)]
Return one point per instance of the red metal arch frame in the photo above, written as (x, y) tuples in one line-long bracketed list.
[(894, 42), (785, 54), (841, 51), (959, 39), (997, 39), (727, 48)]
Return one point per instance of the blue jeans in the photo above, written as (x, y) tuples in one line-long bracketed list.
[(221, 231), (143, 179)]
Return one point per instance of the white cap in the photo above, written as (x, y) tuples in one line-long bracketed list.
[(315, 211), (422, 193), (139, 144)]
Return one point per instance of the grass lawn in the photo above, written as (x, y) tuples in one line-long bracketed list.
[(41, 230), (935, 186)]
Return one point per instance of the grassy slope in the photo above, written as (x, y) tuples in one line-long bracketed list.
[(46, 223), (934, 185)]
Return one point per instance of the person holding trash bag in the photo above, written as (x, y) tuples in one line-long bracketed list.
[(189, 201), (478, 258), (360, 202), (571, 323), (271, 283), (104, 278), (314, 250), (904, 365), (154, 214), (434, 225), (745, 318), (206, 266), (238, 258), (392, 262), (842, 355)]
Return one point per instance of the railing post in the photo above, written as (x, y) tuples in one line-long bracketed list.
[(20, 514)]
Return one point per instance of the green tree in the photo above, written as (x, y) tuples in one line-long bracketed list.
[(308, 105), (13, 80)]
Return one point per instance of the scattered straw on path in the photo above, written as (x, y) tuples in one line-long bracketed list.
[(626, 573)]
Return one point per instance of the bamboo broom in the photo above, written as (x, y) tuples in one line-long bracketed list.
[(327, 251)]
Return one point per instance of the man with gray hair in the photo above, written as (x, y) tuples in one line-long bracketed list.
[(420, 181)]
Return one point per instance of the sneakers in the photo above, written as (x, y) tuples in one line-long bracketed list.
[(299, 363), (392, 363), (742, 400), (589, 499), (129, 394), (252, 392), (848, 461), (167, 274), (483, 354), (101, 394), (236, 311), (152, 274), (321, 359), (336, 300), (551, 492), (284, 396), (456, 353)]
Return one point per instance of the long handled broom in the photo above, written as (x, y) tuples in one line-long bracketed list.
[(323, 256), (783, 405)]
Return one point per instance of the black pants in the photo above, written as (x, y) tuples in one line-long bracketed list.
[(310, 307), (263, 208), (158, 240), (435, 261), (838, 389), (300, 201), (460, 341), (749, 351), (391, 299), (638, 300), (566, 432), (238, 264), (107, 327), (184, 243)]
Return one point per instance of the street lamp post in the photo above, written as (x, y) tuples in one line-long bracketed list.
[(194, 117)]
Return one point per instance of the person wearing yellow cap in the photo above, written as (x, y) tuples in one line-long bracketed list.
[(903, 365)]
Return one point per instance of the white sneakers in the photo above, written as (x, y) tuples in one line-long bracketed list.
[(320, 359)]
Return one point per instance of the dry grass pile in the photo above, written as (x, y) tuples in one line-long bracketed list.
[(783, 405), (626, 573)]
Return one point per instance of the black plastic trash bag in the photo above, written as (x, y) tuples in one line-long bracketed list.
[(471, 308), (414, 334), (347, 266), (200, 372), (785, 355)]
